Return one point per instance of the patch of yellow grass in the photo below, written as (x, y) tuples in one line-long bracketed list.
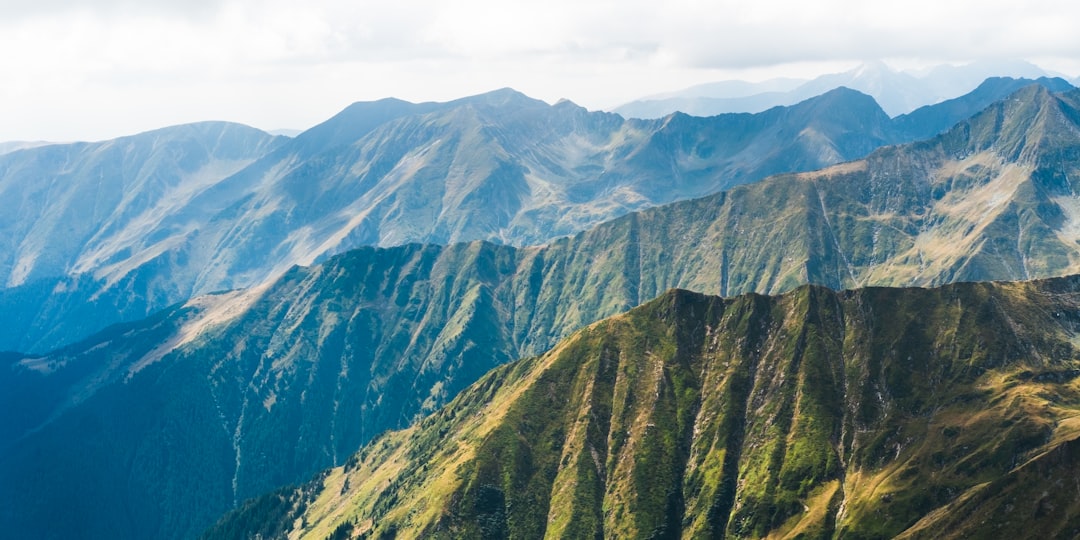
[(815, 510), (388, 458)]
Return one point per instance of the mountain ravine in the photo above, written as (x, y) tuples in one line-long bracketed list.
[(871, 413)]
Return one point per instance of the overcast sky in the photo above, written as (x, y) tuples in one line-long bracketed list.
[(97, 69)]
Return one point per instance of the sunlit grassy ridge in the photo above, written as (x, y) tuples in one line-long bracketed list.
[(817, 413)]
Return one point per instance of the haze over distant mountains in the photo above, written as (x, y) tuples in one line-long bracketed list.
[(896, 91), (279, 381), (119, 229)]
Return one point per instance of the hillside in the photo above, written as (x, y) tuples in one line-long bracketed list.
[(860, 414)]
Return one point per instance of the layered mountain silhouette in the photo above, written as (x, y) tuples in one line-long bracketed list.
[(871, 413), (124, 228), (927, 121), (263, 387), (160, 217), (898, 92)]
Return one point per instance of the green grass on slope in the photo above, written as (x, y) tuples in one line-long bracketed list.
[(814, 414)]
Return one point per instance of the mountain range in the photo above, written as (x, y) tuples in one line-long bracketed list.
[(898, 92), (871, 413), (278, 382), (123, 228), (179, 220)]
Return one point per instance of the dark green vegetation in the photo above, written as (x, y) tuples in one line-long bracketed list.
[(122, 228), (275, 384), (815, 414)]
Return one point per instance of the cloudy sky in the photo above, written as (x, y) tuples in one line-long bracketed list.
[(96, 69)]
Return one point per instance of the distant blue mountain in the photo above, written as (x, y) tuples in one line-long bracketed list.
[(897, 92), (97, 233)]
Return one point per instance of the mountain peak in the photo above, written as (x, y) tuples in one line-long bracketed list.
[(564, 102), (930, 120), (355, 121), (205, 128), (873, 68), (1017, 127), (842, 102), (844, 92), (362, 117), (501, 97), (1054, 84)]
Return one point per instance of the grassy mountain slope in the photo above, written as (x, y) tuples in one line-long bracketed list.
[(814, 413), (227, 396)]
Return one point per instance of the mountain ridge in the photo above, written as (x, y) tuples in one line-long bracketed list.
[(899, 92), (970, 104), (813, 412), (499, 166)]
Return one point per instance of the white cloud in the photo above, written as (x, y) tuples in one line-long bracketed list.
[(16, 10), (101, 68)]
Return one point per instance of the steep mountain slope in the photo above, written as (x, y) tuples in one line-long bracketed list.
[(537, 171), (930, 120), (161, 227), (334, 354), (76, 216), (992, 198), (68, 204), (815, 413)]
